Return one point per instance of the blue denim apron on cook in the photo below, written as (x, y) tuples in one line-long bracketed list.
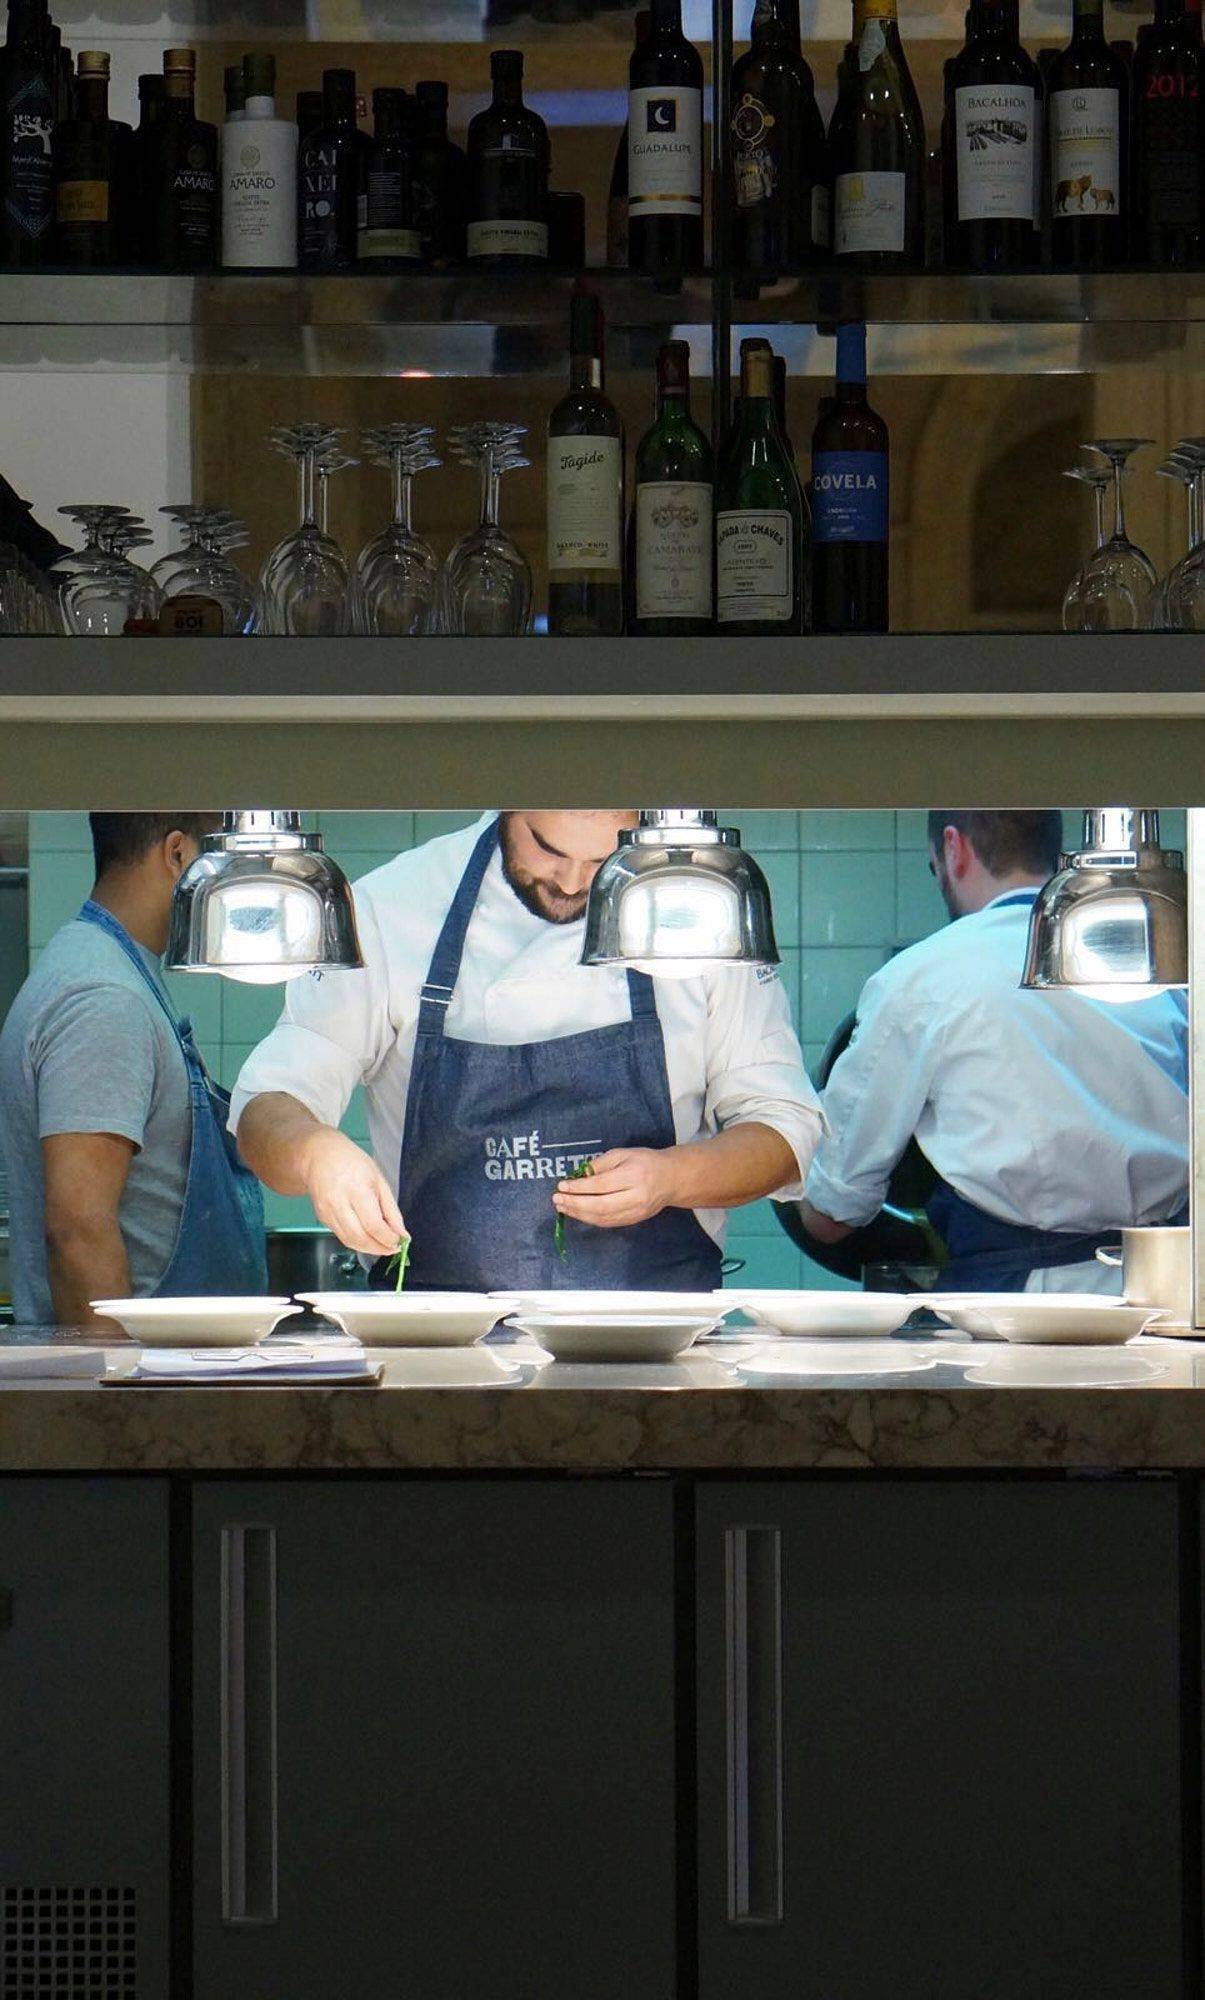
[(989, 1255), (491, 1129), (219, 1246)]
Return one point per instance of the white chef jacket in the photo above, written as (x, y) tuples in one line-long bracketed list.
[(731, 1053), (1045, 1109)]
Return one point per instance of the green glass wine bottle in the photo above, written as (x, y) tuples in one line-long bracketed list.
[(673, 540), (760, 565)]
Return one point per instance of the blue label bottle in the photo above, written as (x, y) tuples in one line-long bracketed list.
[(850, 512)]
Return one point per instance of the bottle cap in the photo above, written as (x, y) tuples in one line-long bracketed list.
[(232, 83), (339, 93), (93, 62), (506, 64), (673, 364), (432, 93), (179, 62), (585, 324), (851, 351), (309, 108), (259, 74), (388, 108)]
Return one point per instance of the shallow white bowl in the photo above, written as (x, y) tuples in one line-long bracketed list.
[(1070, 1319), (196, 1322), (824, 1315), (414, 1319), (612, 1337), (657, 1305)]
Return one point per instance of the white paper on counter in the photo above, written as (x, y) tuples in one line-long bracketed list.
[(325, 1361)]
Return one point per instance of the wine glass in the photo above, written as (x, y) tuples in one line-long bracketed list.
[(29, 602), (398, 572), (1098, 480), (190, 519), (1118, 582), (1184, 586), (485, 585), (224, 600), (101, 591), (305, 583)]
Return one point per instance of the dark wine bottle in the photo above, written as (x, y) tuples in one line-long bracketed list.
[(26, 138), (387, 238), (781, 218), (1168, 225), (309, 114), (1088, 147), (617, 193), (182, 172), (439, 178), (665, 146), (877, 147), (991, 152), (328, 180), (508, 160), (761, 579), (585, 490), (673, 536), (87, 173), (849, 501), (151, 99)]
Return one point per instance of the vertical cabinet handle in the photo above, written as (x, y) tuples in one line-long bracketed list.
[(753, 1644), (248, 1696)]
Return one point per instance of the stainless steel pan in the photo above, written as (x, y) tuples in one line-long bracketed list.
[(1156, 1270)]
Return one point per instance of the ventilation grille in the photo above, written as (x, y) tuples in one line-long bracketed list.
[(68, 1944)]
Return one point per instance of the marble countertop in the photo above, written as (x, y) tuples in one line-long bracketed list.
[(732, 1405)]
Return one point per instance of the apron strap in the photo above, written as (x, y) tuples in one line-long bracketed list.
[(642, 994), (444, 970), (104, 920)]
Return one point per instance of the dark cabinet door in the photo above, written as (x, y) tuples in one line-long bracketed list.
[(939, 1741), (434, 1739), (84, 1737)]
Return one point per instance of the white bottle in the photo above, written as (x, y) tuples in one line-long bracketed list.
[(259, 178)]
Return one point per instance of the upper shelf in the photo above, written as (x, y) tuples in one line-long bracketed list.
[(468, 323)]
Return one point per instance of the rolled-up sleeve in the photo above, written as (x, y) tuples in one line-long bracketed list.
[(872, 1102), (330, 1036), (755, 1072)]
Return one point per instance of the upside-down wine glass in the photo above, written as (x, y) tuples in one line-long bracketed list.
[(1118, 583), (485, 586), (1184, 586), (398, 572), (305, 584), (101, 592), (211, 595), (1097, 479)]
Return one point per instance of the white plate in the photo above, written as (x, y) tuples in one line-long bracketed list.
[(664, 1305), (612, 1337), (1074, 1319), (1056, 1368), (776, 1367), (824, 1315), (196, 1322), (414, 1319)]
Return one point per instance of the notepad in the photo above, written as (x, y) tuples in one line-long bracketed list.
[(336, 1361)]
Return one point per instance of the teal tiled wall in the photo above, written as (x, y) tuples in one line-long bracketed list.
[(849, 889)]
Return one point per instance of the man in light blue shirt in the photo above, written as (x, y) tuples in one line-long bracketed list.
[(1052, 1120)]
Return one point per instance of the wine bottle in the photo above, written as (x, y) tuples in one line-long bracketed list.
[(151, 99), (760, 573), (849, 501), (87, 172), (26, 138), (673, 537), (665, 146), (508, 159), (388, 239), (328, 180), (438, 174), (235, 90), (780, 164), (990, 150), (877, 148), (182, 169), (309, 114), (1088, 146), (585, 489), (1169, 138), (259, 176), (617, 193)]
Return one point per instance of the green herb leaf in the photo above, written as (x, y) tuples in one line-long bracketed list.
[(581, 1172), (401, 1259)]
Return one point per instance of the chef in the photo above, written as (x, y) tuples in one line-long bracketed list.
[(495, 1065), (1053, 1120), (123, 1179)]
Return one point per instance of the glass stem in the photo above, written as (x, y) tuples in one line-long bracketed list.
[(1098, 494), (490, 485), (324, 487), (305, 470), (1119, 517), (1196, 510), (401, 492)]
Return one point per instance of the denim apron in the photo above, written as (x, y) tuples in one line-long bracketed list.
[(490, 1130), (989, 1255), (219, 1246)]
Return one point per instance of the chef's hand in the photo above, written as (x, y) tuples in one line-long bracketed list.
[(350, 1194), (625, 1186)]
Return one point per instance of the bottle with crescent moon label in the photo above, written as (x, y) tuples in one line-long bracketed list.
[(665, 147)]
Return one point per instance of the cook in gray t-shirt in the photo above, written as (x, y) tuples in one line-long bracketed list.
[(87, 1048)]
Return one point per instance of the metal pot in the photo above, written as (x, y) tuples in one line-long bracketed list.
[(311, 1260), (1156, 1270)]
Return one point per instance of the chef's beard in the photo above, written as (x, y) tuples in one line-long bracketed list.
[(541, 898), (942, 878)]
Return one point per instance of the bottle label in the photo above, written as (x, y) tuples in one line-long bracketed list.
[(665, 151), (872, 43), (1173, 160), (194, 188), (1085, 152), (259, 193), (995, 139), (191, 618), (870, 213), (673, 549), (388, 242), (822, 218), (849, 496), (501, 237), (585, 481), (83, 201), (755, 143), (755, 566), (29, 196)]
